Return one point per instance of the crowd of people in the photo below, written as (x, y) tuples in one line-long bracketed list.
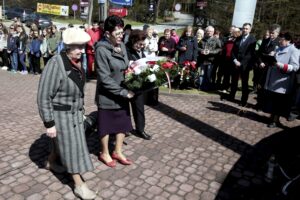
[(107, 49)]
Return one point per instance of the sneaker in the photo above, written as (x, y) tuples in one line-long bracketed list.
[(83, 192), (24, 72), (13, 71), (4, 68)]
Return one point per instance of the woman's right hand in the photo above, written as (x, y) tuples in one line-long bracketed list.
[(51, 132), (130, 95)]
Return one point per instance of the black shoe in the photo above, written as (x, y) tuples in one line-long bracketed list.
[(143, 135), (272, 125), (292, 118), (243, 104), (275, 124)]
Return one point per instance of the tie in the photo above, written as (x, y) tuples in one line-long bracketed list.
[(242, 40)]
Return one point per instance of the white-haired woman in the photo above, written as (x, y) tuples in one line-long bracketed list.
[(151, 43), (60, 103)]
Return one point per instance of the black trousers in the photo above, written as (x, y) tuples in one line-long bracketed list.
[(4, 57), (36, 64), (225, 70), (244, 74), (138, 111)]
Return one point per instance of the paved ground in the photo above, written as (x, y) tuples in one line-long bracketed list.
[(201, 149)]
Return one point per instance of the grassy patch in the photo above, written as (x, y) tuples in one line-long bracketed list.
[(68, 20)]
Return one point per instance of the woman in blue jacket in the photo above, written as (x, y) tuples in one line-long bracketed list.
[(35, 53)]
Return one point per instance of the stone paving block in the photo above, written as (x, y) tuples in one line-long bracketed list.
[(35, 197), (16, 197), (21, 188), (53, 196)]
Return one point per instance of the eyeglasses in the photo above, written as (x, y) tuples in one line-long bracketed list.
[(141, 44), (119, 33)]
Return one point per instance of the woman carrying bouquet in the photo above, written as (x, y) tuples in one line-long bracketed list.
[(135, 46), (111, 98)]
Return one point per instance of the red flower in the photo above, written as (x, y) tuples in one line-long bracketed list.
[(167, 65), (193, 65), (189, 64), (151, 62), (186, 63)]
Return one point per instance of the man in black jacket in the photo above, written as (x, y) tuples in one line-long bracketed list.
[(243, 55), (268, 47)]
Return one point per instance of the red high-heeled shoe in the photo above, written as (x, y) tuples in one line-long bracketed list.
[(109, 164), (120, 160)]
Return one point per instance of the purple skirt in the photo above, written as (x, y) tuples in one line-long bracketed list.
[(113, 121)]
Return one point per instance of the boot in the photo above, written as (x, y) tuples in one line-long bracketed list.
[(83, 192)]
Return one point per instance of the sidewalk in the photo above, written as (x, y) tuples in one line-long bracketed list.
[(201, 150)]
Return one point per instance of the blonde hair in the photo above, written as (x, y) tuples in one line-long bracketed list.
[(199, 34)]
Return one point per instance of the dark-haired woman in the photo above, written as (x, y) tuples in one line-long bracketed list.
[(112, 99), (280, 78), (22, 42), (135, 46)]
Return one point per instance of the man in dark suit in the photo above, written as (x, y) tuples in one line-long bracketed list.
[(243, 55), (268, 47)]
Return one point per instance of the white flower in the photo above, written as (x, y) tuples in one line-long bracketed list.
[(151, 78), (155, 68), (137, 70), (143, 67)]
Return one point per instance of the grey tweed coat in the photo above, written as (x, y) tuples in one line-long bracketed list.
[(60, 104)]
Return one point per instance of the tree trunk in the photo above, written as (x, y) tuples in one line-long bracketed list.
[(157, 10)]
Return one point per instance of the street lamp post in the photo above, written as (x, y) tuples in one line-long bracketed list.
[(3, 8)]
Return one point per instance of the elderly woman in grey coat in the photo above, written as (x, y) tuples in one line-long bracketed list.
[(280, 78), (111, 97), (60, 103)]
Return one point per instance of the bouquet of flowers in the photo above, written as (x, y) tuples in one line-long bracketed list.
[(147, 73), (187, 71)]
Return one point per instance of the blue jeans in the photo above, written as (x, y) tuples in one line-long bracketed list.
[(14, 61), (22, 57), (206, 82)]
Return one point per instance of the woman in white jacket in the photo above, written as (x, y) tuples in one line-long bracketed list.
[(151, 46), (3, 46), (44, 46)]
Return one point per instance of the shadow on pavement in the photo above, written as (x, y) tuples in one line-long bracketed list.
[(248, 178), (41, 148), (207, 130), (222, 107)]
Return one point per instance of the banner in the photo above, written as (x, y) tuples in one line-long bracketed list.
[(53, 9), (122, 2), (121, 12), (244, 11)]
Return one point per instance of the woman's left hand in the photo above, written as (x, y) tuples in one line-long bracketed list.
[(51, 132), (130, 95)]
